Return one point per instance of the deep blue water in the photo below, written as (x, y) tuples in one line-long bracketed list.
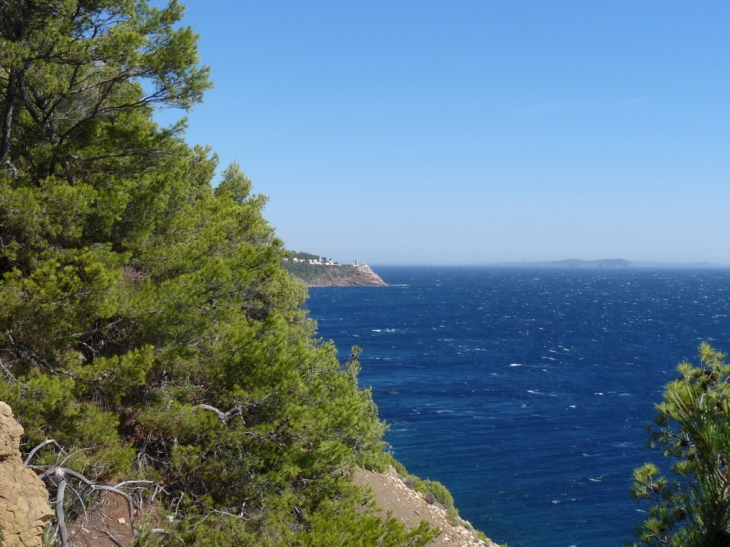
[(527, 392)]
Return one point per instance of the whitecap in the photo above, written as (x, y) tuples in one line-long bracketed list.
[(571, 406), (444, 411), (377, 330), (532, 391), (555, 502), (598, 393), (515, 365)]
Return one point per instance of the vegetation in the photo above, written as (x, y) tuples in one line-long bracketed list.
[(433, 490), (691, 507), (146, 321)]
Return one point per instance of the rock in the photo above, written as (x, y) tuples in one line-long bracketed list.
[(335, 276), (24, 509)]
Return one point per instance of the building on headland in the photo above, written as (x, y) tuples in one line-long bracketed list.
[(313, 261)]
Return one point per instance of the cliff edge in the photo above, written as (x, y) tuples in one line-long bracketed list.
[(346, 276)]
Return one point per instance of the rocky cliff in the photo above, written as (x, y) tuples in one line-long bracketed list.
[(314, 275)]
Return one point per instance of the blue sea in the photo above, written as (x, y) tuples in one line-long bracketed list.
[(527, 392)]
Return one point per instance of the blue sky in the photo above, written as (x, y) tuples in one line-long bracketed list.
[(475, 132)]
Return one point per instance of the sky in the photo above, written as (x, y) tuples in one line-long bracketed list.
[(475, 132)]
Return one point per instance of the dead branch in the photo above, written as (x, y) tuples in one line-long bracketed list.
[(222, 416), (125, 483), (37, 448), (60, 516), (62, 472), (9, 375)]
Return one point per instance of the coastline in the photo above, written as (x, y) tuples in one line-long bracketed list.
[(317, 275)]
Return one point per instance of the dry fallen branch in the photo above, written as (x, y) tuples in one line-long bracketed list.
[(59, 476), (37, 448), (222, 416)]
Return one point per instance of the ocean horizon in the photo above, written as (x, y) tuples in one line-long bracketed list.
[(527, 391)]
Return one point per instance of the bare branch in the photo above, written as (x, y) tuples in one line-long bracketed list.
[(222, 416), (130, 501), (63, 472), (125, 483), (37, 448), (9, 375), (60, 516)]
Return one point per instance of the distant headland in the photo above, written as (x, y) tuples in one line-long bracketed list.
[(316, 271), (607, 263)]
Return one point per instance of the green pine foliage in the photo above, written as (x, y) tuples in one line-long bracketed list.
[(146, 321), (691, 506)]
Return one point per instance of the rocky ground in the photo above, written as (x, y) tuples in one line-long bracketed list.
[(348, 276), (392, 494)]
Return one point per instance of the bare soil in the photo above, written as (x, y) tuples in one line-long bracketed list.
[(392, 494), (106, 524)]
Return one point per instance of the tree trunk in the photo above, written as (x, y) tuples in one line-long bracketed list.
[(8, 115)]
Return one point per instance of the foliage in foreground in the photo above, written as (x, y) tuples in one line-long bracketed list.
[(691, 507), (146, 321)]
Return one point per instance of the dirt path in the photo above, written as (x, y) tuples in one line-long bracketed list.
[(411, 507)]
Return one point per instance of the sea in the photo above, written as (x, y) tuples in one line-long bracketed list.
[(527, 392)]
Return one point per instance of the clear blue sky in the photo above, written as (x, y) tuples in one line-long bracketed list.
[(474, 132)]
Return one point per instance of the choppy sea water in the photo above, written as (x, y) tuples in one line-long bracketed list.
[(527, 392)]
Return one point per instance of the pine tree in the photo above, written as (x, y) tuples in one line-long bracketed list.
[(146, 321), (690, 508)]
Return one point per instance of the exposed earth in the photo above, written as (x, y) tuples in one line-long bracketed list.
[(391, 493)]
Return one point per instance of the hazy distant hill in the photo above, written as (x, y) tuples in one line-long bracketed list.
[(608, 263), (575, 263)]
